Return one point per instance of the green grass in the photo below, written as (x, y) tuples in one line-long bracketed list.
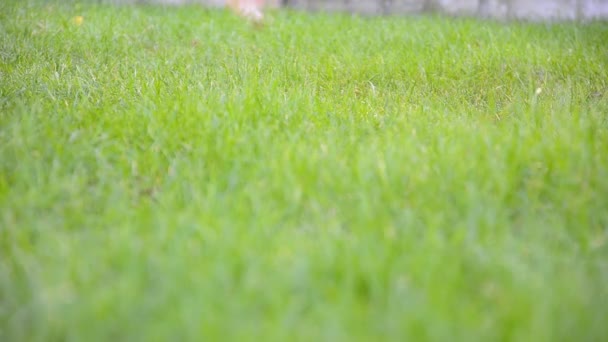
[(174, 174)]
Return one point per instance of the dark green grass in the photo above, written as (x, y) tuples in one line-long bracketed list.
[(174, 174)]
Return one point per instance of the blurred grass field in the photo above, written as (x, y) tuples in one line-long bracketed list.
[(171, 173)]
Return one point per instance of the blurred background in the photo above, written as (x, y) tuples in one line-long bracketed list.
[(501, 9)]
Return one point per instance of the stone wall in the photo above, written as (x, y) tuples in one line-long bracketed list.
[(503, 9)]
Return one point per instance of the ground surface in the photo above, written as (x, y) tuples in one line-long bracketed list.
[(174, 174)]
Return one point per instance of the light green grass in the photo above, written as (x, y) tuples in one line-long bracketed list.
[(173, 174)]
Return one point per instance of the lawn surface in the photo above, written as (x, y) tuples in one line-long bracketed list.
[(174, 174)]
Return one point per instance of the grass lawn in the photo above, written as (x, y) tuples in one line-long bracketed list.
[(171, 173)]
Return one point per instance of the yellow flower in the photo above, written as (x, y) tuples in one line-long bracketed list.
[(78, 20)]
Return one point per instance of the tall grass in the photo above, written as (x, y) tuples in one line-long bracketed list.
[(171, 173)]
